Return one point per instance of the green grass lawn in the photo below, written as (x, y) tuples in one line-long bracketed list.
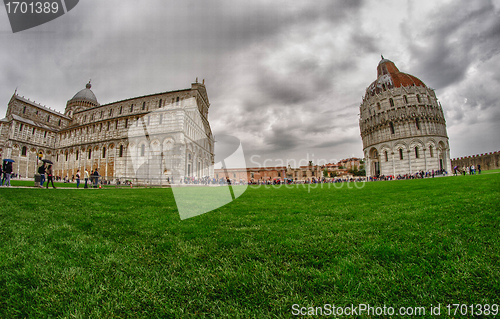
[(125, 252)]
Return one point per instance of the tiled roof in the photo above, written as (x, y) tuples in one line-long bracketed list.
[(32, 123), (21, 98)]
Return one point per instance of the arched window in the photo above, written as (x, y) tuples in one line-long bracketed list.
[(77, 155), (66, 154), (143, 106), (431, 151), (21, 127), (418, 98), (386, 156), (400, 153), (104, 152), (143, 149), (429, 99), (405, 99), (378, 106), (90, 153), (416, 152), (110, 112), (383, 87), (189, 156), (24, 110), (132, 108), (177, 101), (24, 151), (121, 109), (120, 154), (391, 101), (159, 103), (392, 127), (417, 122)]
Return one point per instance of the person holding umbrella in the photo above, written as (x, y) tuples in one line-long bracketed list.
[(41, 171), (7, 170)]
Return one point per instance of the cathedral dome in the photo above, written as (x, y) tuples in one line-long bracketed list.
[(85, 95), (388, 77)]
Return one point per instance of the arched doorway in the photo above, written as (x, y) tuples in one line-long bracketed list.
[(375, 162)]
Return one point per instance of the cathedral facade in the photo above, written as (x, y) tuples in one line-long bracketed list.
[(159, 137), (402, 125)]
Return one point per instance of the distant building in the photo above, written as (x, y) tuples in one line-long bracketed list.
[(259, 174), (350, 163), (157, 136), (402, 125)]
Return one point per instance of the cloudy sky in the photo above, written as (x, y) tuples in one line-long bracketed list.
[(285, 77)]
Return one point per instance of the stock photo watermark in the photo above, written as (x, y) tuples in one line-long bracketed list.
[(28, 14)]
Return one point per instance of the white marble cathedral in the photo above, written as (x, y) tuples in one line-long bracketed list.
[(159, 136), (402, 125)]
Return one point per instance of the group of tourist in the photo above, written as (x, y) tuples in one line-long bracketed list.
[(467, 170), (94, 178)]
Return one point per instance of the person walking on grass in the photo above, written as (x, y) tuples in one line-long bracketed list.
[(41, 171), (86, 176), (96, 178), (78, 179), (7, 171), (50, 177)]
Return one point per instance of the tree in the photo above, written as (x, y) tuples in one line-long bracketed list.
[(325, 173)]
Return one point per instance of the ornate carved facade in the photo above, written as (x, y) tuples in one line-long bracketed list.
[(157, 136), (402, 125)]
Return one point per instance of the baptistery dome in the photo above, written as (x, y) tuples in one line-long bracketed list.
[(402, 125)]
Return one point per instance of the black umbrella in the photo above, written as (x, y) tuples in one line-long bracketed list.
[(8, 160), (47, 161)]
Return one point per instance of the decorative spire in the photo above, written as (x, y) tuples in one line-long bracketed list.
[(88, 86), (382, 56)]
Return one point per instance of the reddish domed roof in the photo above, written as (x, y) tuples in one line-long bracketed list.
[(388, 77)]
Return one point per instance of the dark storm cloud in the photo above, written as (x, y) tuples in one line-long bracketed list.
[(454, 40), (331, 144), (285, 77)]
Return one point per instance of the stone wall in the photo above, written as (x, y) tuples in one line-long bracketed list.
[(487, 161)]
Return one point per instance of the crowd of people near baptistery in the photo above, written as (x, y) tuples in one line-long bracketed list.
[(92, 179)]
